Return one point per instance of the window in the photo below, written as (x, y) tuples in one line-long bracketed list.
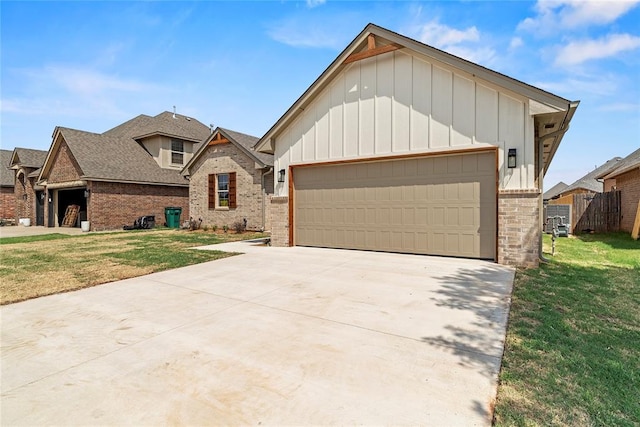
[(222, 191), (177, 152)]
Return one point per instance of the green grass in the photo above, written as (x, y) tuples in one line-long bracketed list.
[(572, 354), (42, 265)]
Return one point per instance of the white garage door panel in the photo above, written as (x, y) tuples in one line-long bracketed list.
[(442, 205)]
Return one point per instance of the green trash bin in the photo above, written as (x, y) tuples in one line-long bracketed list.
[(172, 216)]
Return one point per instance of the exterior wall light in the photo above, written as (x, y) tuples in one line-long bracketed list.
[(87, 193), (281, 175), (511, 158)]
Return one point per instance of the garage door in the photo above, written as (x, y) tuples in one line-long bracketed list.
[(436, 205)]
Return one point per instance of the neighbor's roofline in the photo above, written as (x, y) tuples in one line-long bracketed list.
[(205, 144), (156, 133), (476, 70)]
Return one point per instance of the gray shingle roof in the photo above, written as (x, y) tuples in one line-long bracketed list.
[(630, 162), (164, 123), (116, 155), (115, 158), (30, 158), (248, 142), (589, 181), (554, 191), (6, 174)]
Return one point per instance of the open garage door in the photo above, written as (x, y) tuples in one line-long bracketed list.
[(436, 205)]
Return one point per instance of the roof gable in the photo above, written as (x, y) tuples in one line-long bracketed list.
[(554, 191), (27, 157), (387, 41), (242, 141)]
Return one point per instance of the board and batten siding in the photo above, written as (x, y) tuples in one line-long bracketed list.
[(400, 103)]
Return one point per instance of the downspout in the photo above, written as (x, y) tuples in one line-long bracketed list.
[(560, 132), (264, 197)]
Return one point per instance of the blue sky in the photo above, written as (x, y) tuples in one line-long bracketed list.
[(240, 65)]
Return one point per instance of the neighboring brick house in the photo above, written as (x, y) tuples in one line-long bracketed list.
[(7, 181), (626, 176), (29, 196), (123, 173), (588, 185), (229, 181), (401, 147)]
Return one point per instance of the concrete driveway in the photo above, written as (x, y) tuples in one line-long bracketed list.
[(277, 336)]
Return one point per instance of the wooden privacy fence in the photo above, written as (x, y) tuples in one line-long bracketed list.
[(599, 212)]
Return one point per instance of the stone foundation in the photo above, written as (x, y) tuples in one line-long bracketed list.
[(519, 229)]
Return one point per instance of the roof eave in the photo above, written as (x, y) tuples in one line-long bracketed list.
[(150, 134), (125, 181), (564, 128), (622, 171)]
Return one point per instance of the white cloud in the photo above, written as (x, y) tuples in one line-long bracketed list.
[(553, 15), (443, 36), (515, 43), (577, 52), (465, 43), (620, 107), (602, 85), (73, 91), (313, 3), (310, 29), (86, 82)]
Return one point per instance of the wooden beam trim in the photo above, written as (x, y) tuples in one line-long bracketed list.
[(371, 42), (372, 52), (219, 141)]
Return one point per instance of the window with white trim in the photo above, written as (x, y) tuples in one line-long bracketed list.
[(222, 191)]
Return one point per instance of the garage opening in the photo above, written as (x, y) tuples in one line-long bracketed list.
[(69, 197), (435, 205)]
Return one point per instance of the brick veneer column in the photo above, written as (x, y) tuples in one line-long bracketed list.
[(279, 211), (629, 186), (519, 227)]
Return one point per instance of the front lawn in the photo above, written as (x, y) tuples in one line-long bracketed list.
[(572, 354), (34, 266)]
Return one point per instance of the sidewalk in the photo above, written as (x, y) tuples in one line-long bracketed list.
[(22, 231)]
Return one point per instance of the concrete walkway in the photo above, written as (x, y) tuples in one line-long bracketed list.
[(277, 336), (21, 230)]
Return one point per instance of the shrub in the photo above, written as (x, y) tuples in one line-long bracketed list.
[(239, 226), (214, 227), (225, 228)]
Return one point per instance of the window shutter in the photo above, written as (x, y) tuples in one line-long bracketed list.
[(212, 191), (232, 190)]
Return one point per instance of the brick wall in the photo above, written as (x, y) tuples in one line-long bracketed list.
[(64, 167), (225, 158), (609, 185), (519, 228), (629, 186), (112, 205), (279, 213), (7, 203), (25, 207)]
